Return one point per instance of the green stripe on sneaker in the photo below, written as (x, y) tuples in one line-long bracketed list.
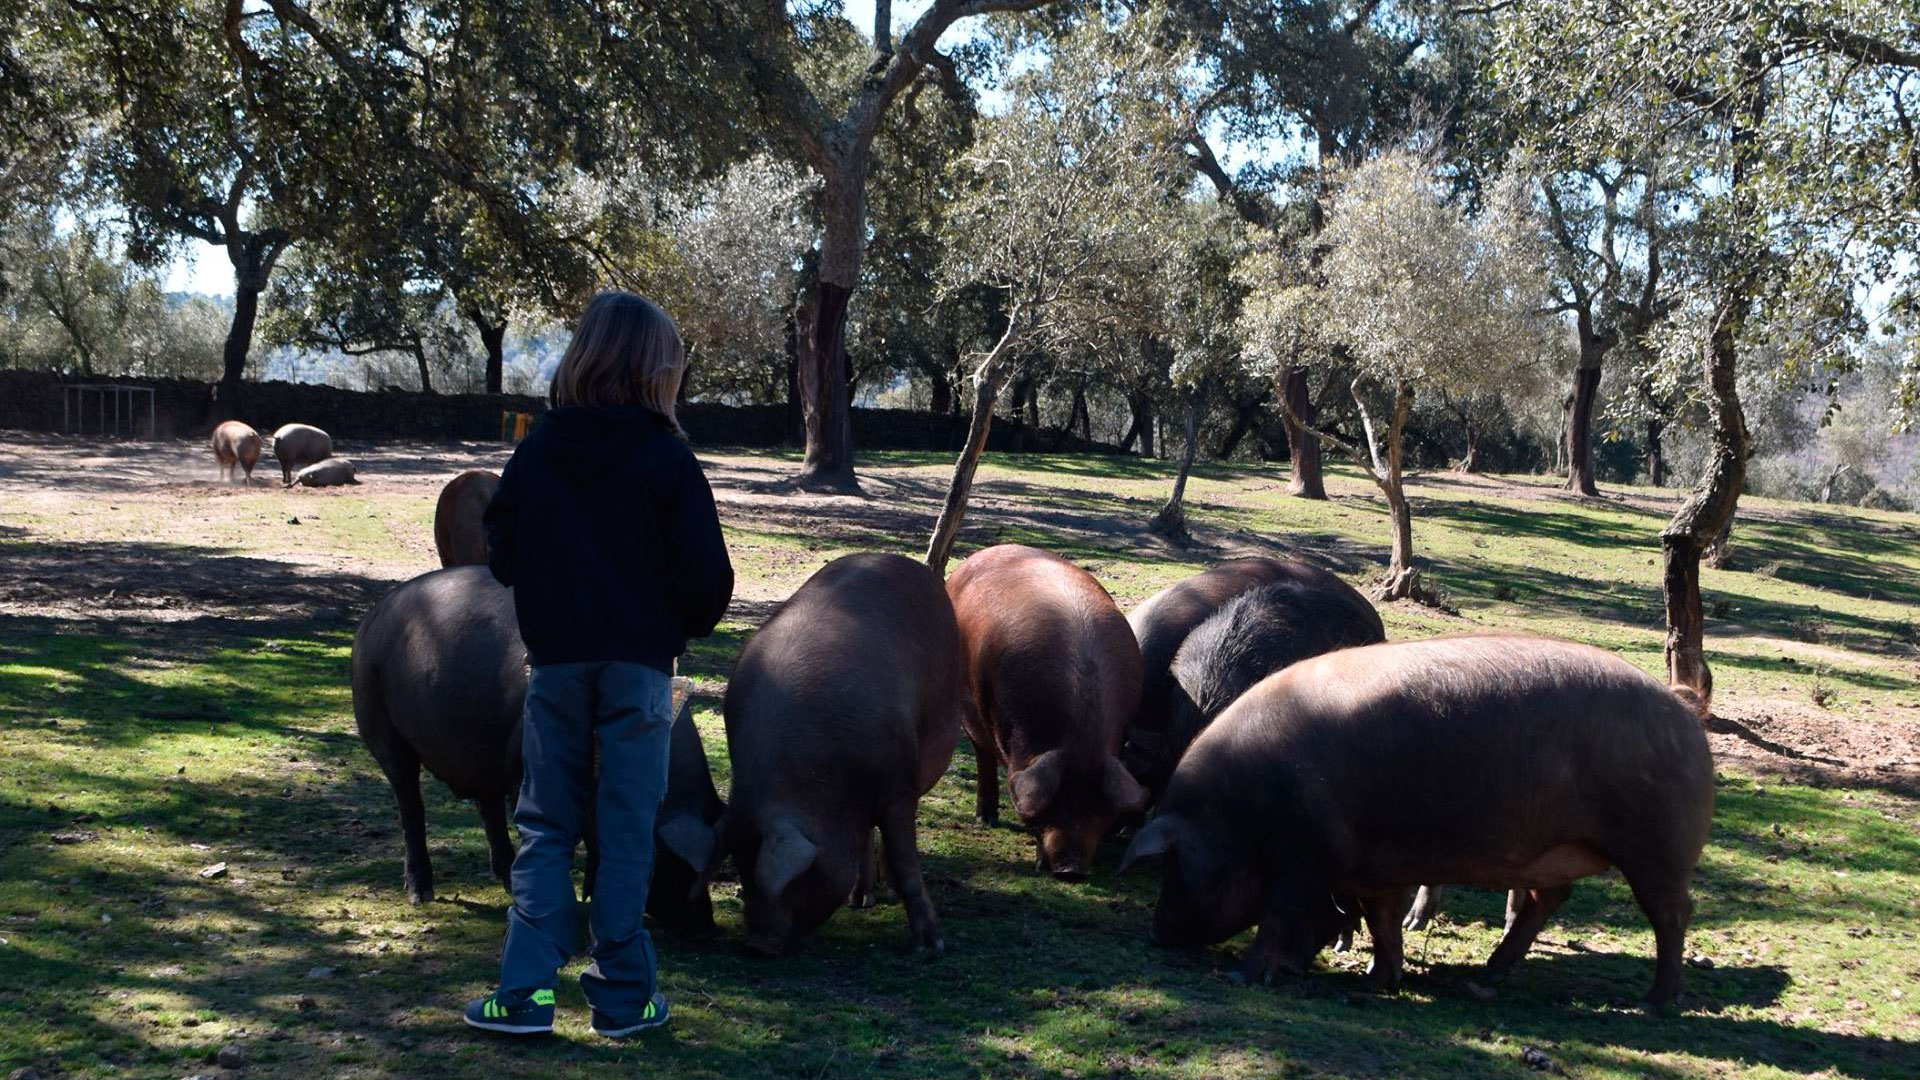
[(543, 997)]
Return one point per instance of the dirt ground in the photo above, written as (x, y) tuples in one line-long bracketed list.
[(149, 533)]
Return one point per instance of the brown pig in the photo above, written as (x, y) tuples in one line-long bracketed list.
[(296, 446), (842, 711), (1056, 672), (235, 443), (333, 472), (1499, 761), (457, 532)]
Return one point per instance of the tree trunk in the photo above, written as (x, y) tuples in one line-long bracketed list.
[(1302, 446), (1708, 512), (1245, 413), (1656, 457), (1471, 462), (1586, 390), (941, 402), (986, 390), (493, 337), (252, 257), (420, 360), (828, 465), (1403, 578), (1171, 521), (1018, 442), (233, 357), (1140, 406)]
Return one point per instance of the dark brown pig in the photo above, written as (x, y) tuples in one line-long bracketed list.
[(1254, 635), (842, 711), (296, 446), (1161, 624), (236, 444), (1056, 672), (1504, 762), (439, 680), (457, 532)]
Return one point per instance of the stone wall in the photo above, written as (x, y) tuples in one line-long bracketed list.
[(31, 401)]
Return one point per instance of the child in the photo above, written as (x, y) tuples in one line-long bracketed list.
[(605, 528)]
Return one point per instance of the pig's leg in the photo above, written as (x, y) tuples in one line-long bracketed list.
[(986, 805), (1527, 911), (898, 834), (1384, 915), (493, 815), (403, 773), (1283, 945), (863, 884), (1425, 907), (1662, 893)]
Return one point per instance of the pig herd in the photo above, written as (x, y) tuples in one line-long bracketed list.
[(1287, 768), (305, 454)]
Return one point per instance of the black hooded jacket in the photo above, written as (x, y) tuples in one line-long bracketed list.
[(605, 528)]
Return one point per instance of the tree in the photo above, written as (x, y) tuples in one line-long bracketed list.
[(1065, 214), (737, 242), (72, 282), (1743, 99), (193, 146), (834, 123), (1419, 296), (1200, 302), (355, 305), (475, 141), (1346, 79), (1609, 227)]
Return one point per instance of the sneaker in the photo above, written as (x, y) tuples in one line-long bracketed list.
[(532, 1015), (653, 1016)]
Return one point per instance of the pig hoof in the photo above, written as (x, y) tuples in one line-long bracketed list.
[(1343, 943), (1416, 921), (860, 901), (416, 897)]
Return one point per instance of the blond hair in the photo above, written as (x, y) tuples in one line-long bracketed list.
[(626, 351)]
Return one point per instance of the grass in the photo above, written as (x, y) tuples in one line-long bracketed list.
[(140, 753)]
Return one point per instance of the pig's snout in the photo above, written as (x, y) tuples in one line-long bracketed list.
[(1066, 856)]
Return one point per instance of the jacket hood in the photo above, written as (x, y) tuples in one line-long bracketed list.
[(582, 437)]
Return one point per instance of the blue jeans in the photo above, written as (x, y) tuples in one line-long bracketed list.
[(628, 709)]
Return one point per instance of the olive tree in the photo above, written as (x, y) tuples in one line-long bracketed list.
[(1419, 296), (1065, 212), (1791, 120)]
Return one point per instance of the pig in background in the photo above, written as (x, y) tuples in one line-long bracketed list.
[(439, 682), (333, 472), (296, 446), (236, 445), (1160, 624), (842, 711), (1253, 635), (1055, 671), (458, 534), (1502, 762)]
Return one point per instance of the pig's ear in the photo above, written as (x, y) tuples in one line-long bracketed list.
[(1156, 837), (1035, 786), (690, 838), (1122, 790), (784, 855)]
